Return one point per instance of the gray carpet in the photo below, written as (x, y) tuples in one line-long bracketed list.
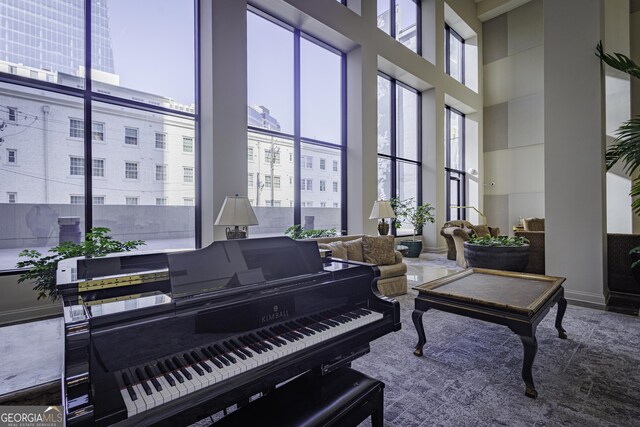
[(470, 372)]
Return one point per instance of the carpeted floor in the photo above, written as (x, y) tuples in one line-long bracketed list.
[(470, 372)]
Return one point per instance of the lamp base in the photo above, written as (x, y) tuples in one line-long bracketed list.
[(383, 228), (236, 233)]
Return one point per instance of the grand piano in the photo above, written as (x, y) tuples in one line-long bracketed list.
[(169, 338)]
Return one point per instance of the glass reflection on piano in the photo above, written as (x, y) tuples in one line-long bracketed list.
[(126, 303)]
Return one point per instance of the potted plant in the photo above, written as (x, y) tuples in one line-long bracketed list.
[(42, 269), (497, 253), (417, 216), (296, 232)]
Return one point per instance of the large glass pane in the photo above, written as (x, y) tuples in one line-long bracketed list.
[(270, 74), (455, 193), (320, 93), (455, 56), (384, 116), (455, 141), (407, 189), (41, 171), (384, 16), (406, 23), (407, 123), (44, 40), (148, 46), (321, 187), (270, 183), (384, 179), (144, 191)]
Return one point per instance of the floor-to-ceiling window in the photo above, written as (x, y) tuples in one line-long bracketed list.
[(114, 147), (296, 117), (401, 20), (454, 164), (399, 144), (454, 53)]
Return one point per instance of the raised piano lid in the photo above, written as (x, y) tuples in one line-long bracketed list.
[(233, 264)]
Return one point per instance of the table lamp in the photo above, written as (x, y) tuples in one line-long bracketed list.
[(237, 212), (382, 209)]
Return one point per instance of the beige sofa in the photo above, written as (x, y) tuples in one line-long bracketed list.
[(393, 277)]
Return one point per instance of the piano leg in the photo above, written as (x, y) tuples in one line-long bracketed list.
[(417, 322)]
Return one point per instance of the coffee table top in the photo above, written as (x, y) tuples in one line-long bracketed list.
[(506, 290)]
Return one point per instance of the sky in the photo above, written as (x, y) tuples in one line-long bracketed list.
[(153, 46)]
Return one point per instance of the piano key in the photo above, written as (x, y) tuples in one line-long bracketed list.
[(144, 399), (151, 375), (127, 397), (168, 392)]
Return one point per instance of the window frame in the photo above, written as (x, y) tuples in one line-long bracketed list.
[(296, 137), (452, 174), (392, 157), (89, 98), (448, 33), (128, 138), (127, 172), (393, 24)]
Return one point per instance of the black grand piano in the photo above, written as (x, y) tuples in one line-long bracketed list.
[(170, 338)]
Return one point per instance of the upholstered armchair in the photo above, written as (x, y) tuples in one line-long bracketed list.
[(533, 224), (447, 231)]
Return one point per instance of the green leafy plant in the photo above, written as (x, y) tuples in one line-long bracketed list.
[(487, 240), (417, 216), (42, 269), (296, 232), (626, 146)]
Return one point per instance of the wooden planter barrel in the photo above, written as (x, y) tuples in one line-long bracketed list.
[(510, 258)]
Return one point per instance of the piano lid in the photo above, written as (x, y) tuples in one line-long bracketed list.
[(229, 264)]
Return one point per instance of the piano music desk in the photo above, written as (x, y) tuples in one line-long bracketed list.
[(517, 300)]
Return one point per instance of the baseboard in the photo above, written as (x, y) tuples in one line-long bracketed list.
[(585, 298), (435, 249), (30, 314)]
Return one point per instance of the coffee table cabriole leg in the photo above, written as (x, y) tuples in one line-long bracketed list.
[(417, 321), (562, 307), (530, 344)]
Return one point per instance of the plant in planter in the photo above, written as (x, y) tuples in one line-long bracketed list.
[(42, 269), (296, 232), (417, 216), (497, 253)]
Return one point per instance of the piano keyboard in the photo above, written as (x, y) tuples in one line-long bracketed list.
[(147, 386)]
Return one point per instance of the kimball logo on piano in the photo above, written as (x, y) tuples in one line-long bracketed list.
[(31, 416), (275, 315)]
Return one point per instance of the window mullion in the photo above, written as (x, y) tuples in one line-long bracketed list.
[(297, 148), (88, 121)]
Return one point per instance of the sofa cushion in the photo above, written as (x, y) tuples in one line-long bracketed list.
[(378, 249), (354, 250), (337, 249), (392, 270)]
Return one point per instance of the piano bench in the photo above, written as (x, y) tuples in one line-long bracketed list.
[(344, 397)]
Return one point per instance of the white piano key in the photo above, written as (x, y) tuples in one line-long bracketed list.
[(132, 409), (168, 392)]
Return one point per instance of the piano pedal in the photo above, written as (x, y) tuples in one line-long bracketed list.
[(344, 360)]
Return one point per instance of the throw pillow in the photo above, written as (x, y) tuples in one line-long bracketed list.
[(354, 250), (337, 249), (378, 250), (481, 230)]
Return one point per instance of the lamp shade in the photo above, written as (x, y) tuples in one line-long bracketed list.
[(236, 210), (382, 209)]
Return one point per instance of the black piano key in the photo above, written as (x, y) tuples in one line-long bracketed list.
[(205, 366), (169, 379), (223, 354), (132, 393), (241, 348), (152, 377), (140, 375), (233, 350), (188, 358), (145, 386), (196, 356), (198, 369), (186, 373), (163, 369), (174, 371), (126, 379), (263, 343), (206, 353), (215, 361)]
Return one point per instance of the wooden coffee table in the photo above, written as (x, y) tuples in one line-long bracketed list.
[(517, 300)]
